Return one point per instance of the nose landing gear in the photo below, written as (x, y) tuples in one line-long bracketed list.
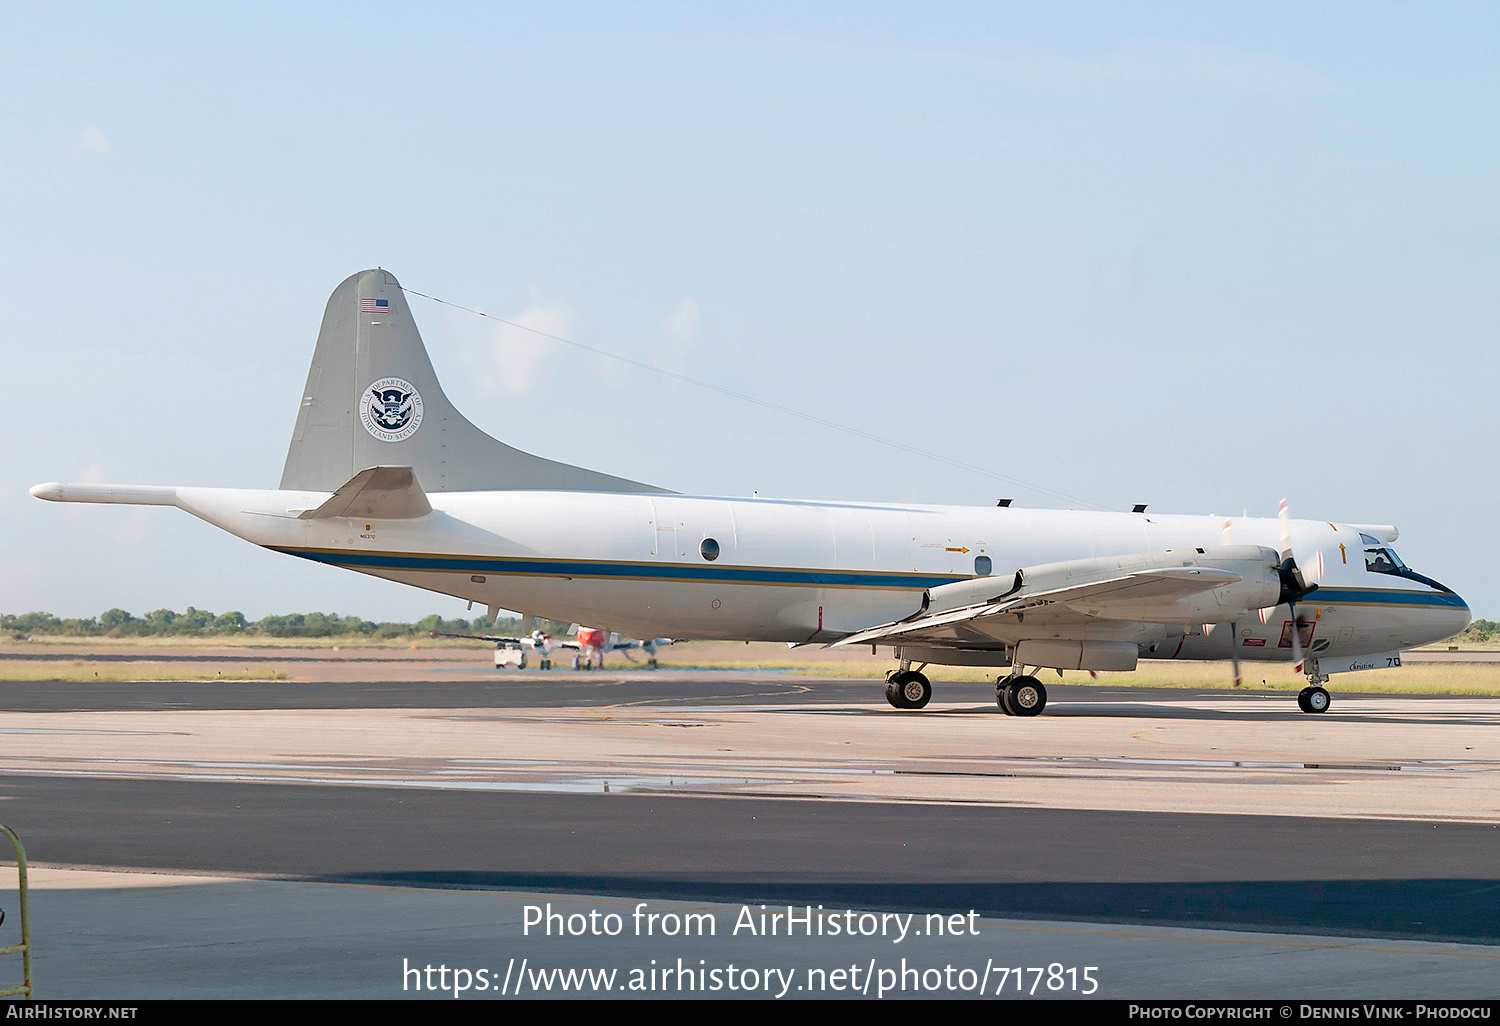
[(1314, 698)]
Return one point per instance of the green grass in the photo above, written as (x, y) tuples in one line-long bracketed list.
[(1413, 678), (248, 641)]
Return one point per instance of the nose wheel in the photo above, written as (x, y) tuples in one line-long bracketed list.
[(1315, 699), (908, 689)]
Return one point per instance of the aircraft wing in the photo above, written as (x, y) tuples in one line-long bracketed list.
[(482, 637), (1205, 586), (650, 643)]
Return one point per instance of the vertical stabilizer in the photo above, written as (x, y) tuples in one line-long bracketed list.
[(373, 400)]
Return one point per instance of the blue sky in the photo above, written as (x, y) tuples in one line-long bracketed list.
[(1188, 255)]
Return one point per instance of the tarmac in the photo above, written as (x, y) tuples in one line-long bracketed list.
[(321, 837)]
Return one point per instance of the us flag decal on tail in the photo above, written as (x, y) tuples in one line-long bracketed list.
[(374, 306)]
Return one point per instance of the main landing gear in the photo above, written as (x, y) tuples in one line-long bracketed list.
[(908, 689), (1020, 695), (1314, 698)]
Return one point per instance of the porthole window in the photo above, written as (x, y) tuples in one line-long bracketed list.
[(982, 566), (709, 549)]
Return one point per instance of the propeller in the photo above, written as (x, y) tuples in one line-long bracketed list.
[(1294, 584), (1234, 626), (1234, 635)]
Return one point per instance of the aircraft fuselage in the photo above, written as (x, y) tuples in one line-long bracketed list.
[(803, 571)]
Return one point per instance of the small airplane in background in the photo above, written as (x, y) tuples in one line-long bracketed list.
[(510, 652), (588, 650), (649, 646)]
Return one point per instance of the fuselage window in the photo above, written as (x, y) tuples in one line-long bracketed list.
[(709, 549), (1383, 561), (982, 566)]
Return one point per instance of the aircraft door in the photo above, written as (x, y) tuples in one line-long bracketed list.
[(699, 534), (665, 528)]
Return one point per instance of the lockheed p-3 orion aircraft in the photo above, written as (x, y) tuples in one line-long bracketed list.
[(384, 476)]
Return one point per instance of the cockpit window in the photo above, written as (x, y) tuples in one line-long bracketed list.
[(1365, 539), (1382, 559)]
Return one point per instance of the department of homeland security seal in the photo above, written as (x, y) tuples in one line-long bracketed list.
[(391, 410)]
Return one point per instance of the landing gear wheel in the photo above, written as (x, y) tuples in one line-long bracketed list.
[(1025, 696), (546, 664), (1002, 697), (908, 690), (1314, 700)]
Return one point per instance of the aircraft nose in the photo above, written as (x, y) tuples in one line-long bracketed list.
[(1455, 619)]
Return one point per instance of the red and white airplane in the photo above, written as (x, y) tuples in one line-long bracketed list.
[(589, 647)]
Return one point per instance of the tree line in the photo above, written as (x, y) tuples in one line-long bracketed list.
[(119, 623), (1481, 630)]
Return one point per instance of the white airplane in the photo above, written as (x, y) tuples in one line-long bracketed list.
[(588, 648), (510, 651), (650, 646), (385, 477)]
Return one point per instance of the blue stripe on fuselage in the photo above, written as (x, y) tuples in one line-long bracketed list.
[(625, 571), (1385, 597), (766, 575)]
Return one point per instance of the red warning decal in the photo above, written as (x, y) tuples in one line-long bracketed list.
[(1255, 643), (1304, 633)]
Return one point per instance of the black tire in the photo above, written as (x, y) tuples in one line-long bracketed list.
[(1318, 700), (1302, 700), (916, 690), (1027, 696), (546, 664), (1002, 697), (908, 690)]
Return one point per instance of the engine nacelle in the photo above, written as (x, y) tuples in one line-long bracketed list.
[(1247, 575), (961, 594)]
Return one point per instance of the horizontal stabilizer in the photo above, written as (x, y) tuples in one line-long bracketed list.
[(380, 493), (125, 495)]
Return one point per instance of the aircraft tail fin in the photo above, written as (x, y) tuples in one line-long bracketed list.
[(373, 400)]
